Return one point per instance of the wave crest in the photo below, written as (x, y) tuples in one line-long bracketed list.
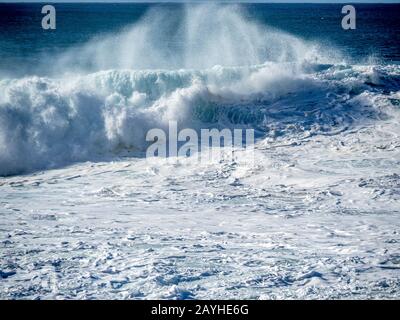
[(209, 66), (195, 37)]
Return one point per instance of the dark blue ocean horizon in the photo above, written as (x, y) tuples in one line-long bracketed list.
[(23, 43)]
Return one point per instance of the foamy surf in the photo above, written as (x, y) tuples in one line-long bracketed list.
[(52, 122)]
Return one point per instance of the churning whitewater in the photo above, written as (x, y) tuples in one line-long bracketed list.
[(86, 215)]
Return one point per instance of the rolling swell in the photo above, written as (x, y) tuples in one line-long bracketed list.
[(126, 84), (48, 122)]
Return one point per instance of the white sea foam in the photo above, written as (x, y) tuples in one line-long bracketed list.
[(192, 70), (50, 122)]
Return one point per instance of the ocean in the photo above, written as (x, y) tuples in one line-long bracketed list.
[(26, 44), (85, 214)]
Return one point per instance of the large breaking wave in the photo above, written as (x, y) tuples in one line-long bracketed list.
[(213, 68)]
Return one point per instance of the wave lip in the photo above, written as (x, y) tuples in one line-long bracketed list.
[(50, 122)]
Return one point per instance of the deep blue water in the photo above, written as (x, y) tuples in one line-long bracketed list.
[(23, 42)]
